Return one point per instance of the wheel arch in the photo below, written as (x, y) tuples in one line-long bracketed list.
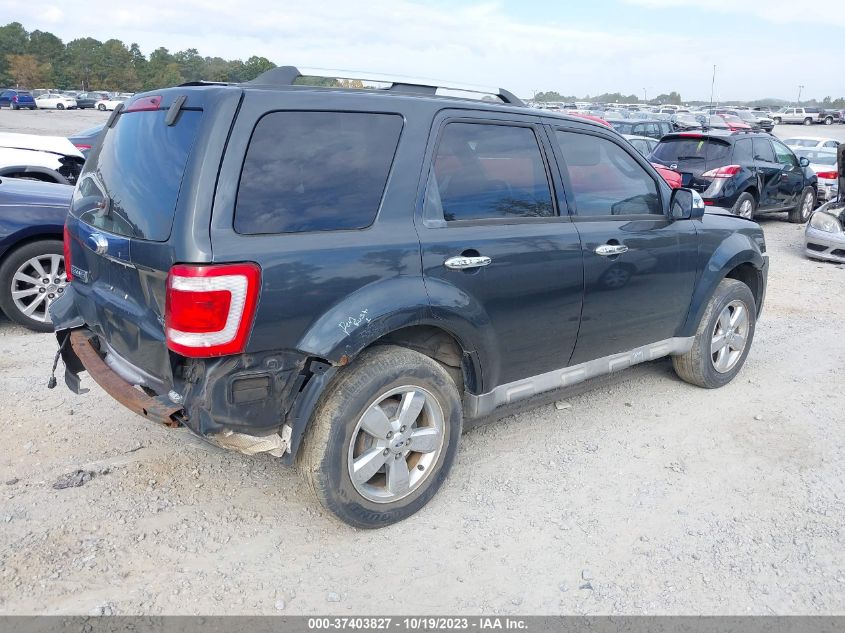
[(745, 264), (22, 238)]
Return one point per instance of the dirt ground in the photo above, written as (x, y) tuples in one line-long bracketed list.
[(646, 496)]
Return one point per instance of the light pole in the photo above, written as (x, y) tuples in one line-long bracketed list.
[(800, 88), (645, 96)]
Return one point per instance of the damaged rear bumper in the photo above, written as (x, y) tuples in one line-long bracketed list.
[(250, 403)]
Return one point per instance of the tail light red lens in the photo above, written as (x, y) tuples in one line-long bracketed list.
[(81, 147), (209, 309), (15, 98), (828, 175), (67, 239), (722, 172), (144, 103)]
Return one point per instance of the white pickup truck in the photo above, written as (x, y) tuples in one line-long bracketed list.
[(805, 116)]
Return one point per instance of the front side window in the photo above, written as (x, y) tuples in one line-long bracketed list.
[(487, 171), (606, 180), (784, 154), (315, 171)]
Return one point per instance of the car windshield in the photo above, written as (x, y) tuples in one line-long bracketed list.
[(817, 157), (801, 142)]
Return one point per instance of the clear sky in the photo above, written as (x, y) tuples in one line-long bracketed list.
[(762, 48)]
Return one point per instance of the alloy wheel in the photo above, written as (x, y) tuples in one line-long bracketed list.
[(746, 209), (396, 444), (730, 335), (37, 283)]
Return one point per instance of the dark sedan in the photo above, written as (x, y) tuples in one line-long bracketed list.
[(89, 99), (32, 264)]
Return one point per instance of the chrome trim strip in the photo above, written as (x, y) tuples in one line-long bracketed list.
[(481, 405)]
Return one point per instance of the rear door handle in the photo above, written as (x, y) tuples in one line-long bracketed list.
[(608, 250), (463, 263)]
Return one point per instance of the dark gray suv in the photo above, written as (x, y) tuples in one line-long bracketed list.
[(342, 278)]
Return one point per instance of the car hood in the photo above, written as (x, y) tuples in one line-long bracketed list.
[(15, 192), (51, 144)]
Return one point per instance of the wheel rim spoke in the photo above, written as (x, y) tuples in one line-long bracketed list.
[(19, 276), (55, 262), (718, 343), (398, 476), (20, 294), (36, 264), (375, 422), (738, 342), (411, 407), (367, 465), (28, 310), (738, 318), (425, 439)]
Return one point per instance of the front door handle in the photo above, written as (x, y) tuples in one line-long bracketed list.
[(463, 263), (608, 250)]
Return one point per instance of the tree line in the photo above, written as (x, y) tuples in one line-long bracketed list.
[(39, 59)]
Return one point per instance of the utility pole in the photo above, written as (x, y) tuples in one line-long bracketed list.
[(712, 86), (645, 96), (800, 88)]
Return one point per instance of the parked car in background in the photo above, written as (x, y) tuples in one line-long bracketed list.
[(589, 117), (32, 265), (17, 99), (746, 172), (109, 104), (86, 140), (86, 100), (812, 142), (824, 237), (643, 144), (360, 354), (647, 127), (683, 122), (754, 119), (823, 163), (804, 116), (47, 158), (55, 101)]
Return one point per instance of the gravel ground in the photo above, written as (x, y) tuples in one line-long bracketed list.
[(645, 496)]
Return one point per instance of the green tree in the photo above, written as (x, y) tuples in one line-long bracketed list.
[(254, 66), (85, 59), (191, 66), (13, 41)]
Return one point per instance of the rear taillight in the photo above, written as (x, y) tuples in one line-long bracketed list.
[(82, 147), (827, 175), (722, 172), (67, 239), (15, 99), (209, 309)]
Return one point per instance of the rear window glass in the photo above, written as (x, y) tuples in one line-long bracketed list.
[(315, 171), (131, 185), (679, 150)]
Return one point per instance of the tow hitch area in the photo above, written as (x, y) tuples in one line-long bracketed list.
[(156, 409)]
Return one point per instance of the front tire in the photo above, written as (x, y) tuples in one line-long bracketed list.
[(745, 206), (723, 338), (359, 453), (808, 121), (776, 120), (801, 213), (60, 106), (31, 278), (101, 107)]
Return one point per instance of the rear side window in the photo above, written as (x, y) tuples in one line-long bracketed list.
[(484, 171), (681, 149), (763, 151), (315, 171), (131, 186), (743, 152)]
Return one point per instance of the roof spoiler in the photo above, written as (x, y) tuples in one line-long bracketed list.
[(287, 75)]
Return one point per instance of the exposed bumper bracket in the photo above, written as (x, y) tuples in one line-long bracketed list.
[(156, 409)]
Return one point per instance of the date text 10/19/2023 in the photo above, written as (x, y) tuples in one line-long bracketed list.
[(417, 623)]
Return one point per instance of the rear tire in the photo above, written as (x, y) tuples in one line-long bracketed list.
[(370, 395), (804, 209), (745, 206), (728, 323), (776, 120), (828, 120), (101, 108), (17, 262), (60, 106)]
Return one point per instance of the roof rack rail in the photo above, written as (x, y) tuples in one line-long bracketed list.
[(287, 75)]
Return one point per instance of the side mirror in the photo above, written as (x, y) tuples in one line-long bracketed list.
[(686, 204), (804, 161)]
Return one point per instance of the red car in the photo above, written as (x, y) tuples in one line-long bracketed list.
[(591, 117), (669, 175)]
